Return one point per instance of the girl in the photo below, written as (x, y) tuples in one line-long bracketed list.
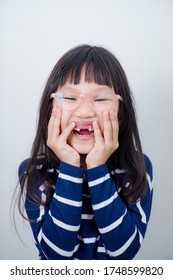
[(87, 187)]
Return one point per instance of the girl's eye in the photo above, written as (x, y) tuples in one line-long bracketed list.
[(70, 98), (100, 99)]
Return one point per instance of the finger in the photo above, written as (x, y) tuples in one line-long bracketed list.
[(115, 125), (108, 133), (51, 120), (97, 133), (66, 132), (54, 123)]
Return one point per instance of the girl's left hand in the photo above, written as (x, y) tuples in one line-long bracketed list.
[(106, 143)]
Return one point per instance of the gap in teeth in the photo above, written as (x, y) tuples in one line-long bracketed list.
[(78, 129)]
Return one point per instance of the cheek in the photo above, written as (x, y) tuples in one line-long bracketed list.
[(115, 107), (100, 120)]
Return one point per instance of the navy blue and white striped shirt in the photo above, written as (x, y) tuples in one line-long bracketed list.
[(88, 219)]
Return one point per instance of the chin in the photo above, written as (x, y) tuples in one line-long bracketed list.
[(82, 147), (83, 150)]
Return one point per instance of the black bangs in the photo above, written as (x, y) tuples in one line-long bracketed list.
[(87, 58)]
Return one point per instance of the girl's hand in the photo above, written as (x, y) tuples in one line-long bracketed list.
[(105, 144), (57, 141)]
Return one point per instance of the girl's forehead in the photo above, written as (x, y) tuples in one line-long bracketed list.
[(84, 87)]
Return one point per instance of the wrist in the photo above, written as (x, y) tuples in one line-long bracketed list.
[(76, 164), (90, 166), (94, 165)]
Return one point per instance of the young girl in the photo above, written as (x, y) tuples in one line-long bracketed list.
[(87, 187)]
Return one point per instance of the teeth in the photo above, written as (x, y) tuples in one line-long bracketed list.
[(77, 129)]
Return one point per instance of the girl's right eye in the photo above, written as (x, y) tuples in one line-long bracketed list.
[(70, 98)]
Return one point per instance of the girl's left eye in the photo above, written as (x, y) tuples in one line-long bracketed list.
[(100, 99)]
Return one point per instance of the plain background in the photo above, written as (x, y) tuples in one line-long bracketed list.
[(34, 34)]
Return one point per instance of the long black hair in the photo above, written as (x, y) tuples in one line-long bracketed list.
[(102, 67)]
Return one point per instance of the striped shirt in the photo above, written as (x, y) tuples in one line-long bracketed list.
[(88, 219)]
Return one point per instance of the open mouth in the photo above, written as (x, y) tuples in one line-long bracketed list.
[(84, 129)]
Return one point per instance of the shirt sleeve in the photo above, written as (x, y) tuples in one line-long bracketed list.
[(122, 227), (55, 228)]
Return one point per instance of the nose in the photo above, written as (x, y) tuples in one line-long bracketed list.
[(85, 110)]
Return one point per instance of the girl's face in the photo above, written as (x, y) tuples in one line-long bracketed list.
[(82, 138)]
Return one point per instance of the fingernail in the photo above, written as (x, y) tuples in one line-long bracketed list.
[(95, 123)]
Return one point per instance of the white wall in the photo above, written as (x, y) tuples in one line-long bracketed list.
[(34, 34)]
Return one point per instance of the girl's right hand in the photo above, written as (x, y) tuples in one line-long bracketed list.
[(57, 140)]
